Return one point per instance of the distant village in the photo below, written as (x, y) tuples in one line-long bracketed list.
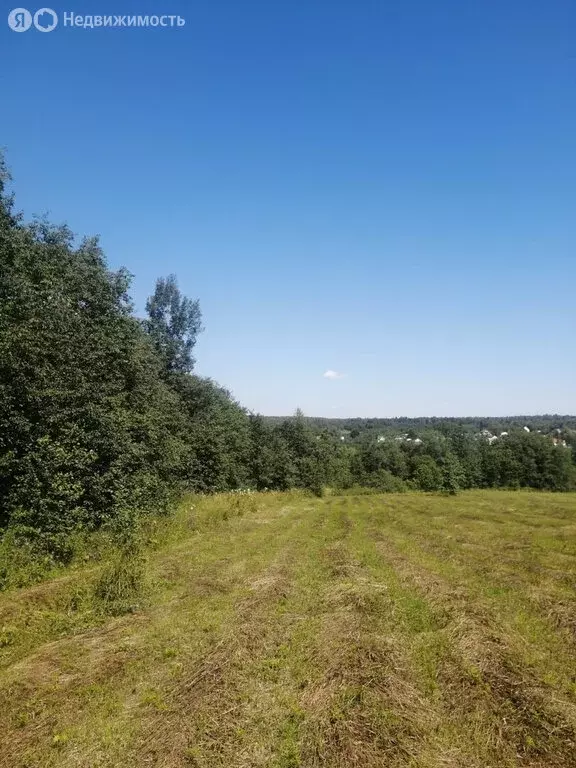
[(485, 434)]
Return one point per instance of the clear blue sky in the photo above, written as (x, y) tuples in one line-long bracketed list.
[(385, 190)]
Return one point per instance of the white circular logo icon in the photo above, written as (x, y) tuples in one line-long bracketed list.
[(20, 20), (45, 20)]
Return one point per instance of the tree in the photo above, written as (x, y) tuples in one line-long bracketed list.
[(174, 321), (270, 463), (454, 476), (428, 474), (217, 435), (86, 422)]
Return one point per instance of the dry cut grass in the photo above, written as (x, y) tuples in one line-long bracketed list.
[(410, 631)]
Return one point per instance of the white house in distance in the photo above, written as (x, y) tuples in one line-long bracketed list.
[(400, 439), (559, 441), (488, 436)]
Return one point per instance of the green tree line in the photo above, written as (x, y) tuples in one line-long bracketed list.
[(103, 420)]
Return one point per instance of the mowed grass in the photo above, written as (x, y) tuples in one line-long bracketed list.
[(394, 630)]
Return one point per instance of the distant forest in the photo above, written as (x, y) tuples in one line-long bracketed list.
[(103, 420), (546, 423)]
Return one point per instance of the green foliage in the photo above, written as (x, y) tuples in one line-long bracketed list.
[(85, 419), (428, 474), (217, 435), (453, 475), (173, 323), (385, 482)]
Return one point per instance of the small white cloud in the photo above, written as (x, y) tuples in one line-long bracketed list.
[(333, 375)]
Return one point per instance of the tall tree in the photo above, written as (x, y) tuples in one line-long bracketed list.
[(174, 321)]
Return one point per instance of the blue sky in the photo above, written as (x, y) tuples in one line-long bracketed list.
[(385, 190)]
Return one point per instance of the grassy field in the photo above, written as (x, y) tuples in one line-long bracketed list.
[(284, 631)]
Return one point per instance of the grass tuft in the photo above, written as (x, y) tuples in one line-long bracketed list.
[(121, 586)]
